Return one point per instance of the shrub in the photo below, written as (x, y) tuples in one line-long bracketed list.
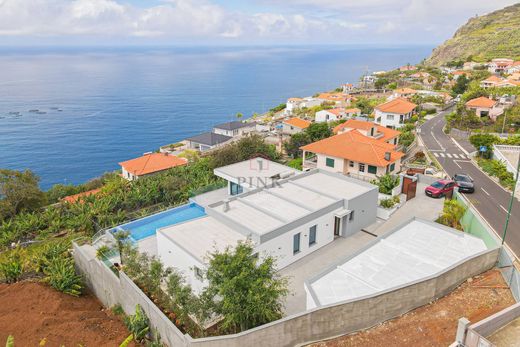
[(296, 163), (386, 183), (390, 202), (61, 275), (138, 324), (49, 252), (12, 267)]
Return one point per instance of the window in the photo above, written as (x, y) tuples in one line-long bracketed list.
[(296, 243), (372, 169), (392, 167), (351, 216), (372, 131), (329, 162), (235, 189), (351, 163), (312, 235), (198, 273), (389, 117), (361, 167)]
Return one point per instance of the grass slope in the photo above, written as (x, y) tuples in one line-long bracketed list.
[(495, 35)]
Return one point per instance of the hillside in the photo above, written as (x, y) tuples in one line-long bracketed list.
[(495, 35)]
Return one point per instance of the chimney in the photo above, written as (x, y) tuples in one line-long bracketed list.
[(387, 156), (225, 208), (260, 164)]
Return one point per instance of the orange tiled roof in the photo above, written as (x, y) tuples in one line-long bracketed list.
[(481, 102), (493, 79), (397, 105), (78, 197), (153, 162), (406, 91), (295, 99), (353, 145), (298, 122), (334, 96), (388, 133)]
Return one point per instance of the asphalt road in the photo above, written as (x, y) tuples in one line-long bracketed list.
[(490, 199)]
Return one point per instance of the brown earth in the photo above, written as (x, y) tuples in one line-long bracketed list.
[(32, 311), (435, 324)]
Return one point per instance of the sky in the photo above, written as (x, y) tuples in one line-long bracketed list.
[(229, 22)]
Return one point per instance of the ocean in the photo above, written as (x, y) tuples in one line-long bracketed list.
[(71, 114)]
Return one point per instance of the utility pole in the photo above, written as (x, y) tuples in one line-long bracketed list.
[(511, 201)]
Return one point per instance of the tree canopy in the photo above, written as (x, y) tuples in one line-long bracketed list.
[(245, 290), (19, 192)]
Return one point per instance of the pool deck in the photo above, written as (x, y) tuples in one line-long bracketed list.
[(148, 245), (211, 197)]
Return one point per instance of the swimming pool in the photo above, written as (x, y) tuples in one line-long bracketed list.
[(147, 226)]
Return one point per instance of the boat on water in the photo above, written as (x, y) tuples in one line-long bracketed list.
[(34, 111), (13, 112)]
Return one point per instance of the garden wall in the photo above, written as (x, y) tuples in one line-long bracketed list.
[(112, 290), (316, 324)]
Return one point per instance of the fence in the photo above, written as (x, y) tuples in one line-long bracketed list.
[(320, 323)]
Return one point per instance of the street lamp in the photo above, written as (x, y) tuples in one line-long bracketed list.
[(511, 201)]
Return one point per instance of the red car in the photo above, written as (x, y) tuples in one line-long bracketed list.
[(440, 188)]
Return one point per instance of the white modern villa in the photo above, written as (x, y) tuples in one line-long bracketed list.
[(288, 218)]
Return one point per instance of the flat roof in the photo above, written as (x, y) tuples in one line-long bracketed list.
[(253, 172), (209, 138), (202, 236), (414, 251), (267, 208)]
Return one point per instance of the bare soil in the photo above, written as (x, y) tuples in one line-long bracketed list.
[(435, 324), (32, 311)]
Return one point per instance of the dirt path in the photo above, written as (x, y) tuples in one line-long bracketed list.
[(32, 311), (435, 324)]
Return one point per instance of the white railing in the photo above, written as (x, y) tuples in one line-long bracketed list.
[(497, 152)]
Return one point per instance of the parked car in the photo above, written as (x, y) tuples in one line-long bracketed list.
[(440, 188), (465, 183)]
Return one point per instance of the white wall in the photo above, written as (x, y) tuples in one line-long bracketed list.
[(325, 116), (338, 163), (174, 256), (281, 247), (289, 129), (383, 118)]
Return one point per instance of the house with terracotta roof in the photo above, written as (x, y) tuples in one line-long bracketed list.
[(408, 68), (354, 154), (500, 65), (492, 81), (336, 114), (394, 113), (340, 99), (294, 125), (80, 197), (149, 164), (371, 130), (294, 104), (404, 93), (347, 88), (485, 107)]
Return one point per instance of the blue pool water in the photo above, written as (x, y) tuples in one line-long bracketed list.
[(145, 227)]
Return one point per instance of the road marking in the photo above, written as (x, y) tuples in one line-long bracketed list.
[(503, 208), (440, 145), (455, 156), (436, 155), (441, 154), (485, 191), (455, 162), (449, 155)]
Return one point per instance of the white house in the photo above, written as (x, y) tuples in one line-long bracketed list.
[(336, 114), (292, 104), (500, 65), (354, 154), (206, 141), (485, 107), (515, 67), (394, 113), (149, 164), (288, 220), (294, 125), (347, 88), (234, 128)]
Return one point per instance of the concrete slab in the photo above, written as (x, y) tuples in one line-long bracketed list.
[(508, 336), (148, 245), (315, 263), (211, 197)]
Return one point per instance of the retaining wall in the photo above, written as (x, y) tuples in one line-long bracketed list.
[(316, 324)]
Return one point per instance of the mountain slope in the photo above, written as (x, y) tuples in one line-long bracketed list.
[(495, 35)]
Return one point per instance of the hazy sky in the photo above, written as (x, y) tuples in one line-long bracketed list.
[(110, 22)]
